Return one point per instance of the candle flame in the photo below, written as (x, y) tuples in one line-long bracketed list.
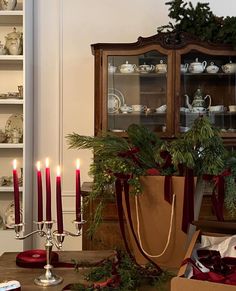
[(77, 164), (14, 164), (38, 165), (58, 171), (47, 163)]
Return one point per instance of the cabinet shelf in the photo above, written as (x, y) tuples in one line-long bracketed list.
[(135, 114), (9, 189), (11, 58), (143, 75), (11, 145), (11, 101), (228, 113), (209, 75), (153, 92), (11, 12)]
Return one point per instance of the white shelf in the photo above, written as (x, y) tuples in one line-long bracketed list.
[(9, 189), (11, 145), (11, 12), (11, 58), (11, 101)]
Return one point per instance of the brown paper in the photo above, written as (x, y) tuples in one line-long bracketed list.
[(154, 216)]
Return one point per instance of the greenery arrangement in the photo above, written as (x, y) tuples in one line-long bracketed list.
[(201, 22), (143, 153), (123, 274)]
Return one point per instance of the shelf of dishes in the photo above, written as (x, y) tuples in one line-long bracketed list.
[(12, 97), (161, 68)]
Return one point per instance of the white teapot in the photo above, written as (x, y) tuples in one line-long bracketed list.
[(127, 68), (161, 68), (229, 68), (14, 42), (198, 104), (212, 68), (145, 68), (197, 67)]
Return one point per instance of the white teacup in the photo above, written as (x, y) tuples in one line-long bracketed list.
[(184, 68), (162, 108), (125, 109), (216, 108), (138, 107), (111, 69), (232, 108)]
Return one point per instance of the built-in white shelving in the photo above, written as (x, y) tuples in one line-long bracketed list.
[(15, 71)]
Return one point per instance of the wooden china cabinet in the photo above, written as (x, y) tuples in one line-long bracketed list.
[(143, 83), (157, 89)]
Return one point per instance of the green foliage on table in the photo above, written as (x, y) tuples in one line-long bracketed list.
[(130, 275), (200, 22)]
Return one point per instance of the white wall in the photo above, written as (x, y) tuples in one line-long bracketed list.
[(64, 81)]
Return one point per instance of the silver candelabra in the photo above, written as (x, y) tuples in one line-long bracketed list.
[(44, 229)]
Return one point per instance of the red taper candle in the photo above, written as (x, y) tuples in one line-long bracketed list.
[(16, 193), (40, 193), (78, 192), (59, 202), (48, 192)]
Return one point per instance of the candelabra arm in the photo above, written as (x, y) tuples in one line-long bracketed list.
[(42, 233)]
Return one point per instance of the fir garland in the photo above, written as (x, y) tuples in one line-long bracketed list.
[(122, 274), (200, 22)]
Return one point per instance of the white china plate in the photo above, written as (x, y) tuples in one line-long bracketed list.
[(113, 103), (118, 93), (115, 100)]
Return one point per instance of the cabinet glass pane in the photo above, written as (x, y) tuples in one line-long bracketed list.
[(137, 91), (208, 88)]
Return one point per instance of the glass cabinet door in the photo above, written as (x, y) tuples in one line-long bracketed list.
[(137, 90), (207, 87)]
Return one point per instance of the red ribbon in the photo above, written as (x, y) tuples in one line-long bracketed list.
[(38, 259), (222, 270), (168, 189), (218, 195), (188, 205)]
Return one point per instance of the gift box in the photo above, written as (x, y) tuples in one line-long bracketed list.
[(198, 271)]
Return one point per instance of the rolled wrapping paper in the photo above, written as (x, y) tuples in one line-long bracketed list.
[(10, 285), (35, 259)]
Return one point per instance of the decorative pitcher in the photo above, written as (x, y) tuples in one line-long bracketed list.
[(14, 42), (199, 104)]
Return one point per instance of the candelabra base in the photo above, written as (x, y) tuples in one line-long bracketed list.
[(48, 279)]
